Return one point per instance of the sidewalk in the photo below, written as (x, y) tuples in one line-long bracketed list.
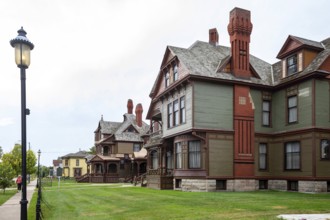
[(12, 208), (305, 217)]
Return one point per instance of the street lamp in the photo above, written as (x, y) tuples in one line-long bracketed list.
[(22, 57)]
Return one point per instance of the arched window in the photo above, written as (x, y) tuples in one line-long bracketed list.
[(154, 159), (98, 168), (112, 168)]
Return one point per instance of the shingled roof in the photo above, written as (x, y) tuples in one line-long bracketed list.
[(118, 129), (79, 154), (204, 59)]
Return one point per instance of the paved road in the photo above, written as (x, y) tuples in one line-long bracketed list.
[(11, 209)]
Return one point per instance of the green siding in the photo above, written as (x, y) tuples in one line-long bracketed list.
[(305, 105), (279, 103), (213, 106), (279, 108), (322, 101), (220, 157), (257, 100)]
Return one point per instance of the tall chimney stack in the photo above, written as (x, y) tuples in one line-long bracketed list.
[(239, 29), (130, 106), (138, 112), (213, 37)]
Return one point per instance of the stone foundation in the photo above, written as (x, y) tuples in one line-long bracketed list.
[(245, 185), (278, 185), (312, 186), (205, 185), (209, 185)]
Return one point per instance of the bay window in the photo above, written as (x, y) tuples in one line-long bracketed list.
[(194, 148)]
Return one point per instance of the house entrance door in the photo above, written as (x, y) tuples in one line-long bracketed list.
[(77, 172)]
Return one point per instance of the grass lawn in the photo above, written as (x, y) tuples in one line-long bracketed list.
[(116, 201), (7, 195)]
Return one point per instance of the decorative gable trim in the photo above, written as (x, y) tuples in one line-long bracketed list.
[(131, 128), (289, 47), (293, 44), (96, 158)]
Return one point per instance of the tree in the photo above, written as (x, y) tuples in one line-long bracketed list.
[(6, 176), (1, 152), (92, 150), (14, 159), (31, 161)]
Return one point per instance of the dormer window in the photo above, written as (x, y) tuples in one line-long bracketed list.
[(292, 65), (167, 79), (171, 73), (175, 73)]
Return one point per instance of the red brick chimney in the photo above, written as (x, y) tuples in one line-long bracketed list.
[(239, 29), (138, 113), (130, 106), (213, 37)]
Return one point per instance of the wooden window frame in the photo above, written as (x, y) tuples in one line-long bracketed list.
[(266, 112), (182, 110), (193, 153), (292, 67), (292, 154), (292, 185), (167, 79), (176, 120), (175, 73), (325, 154), (170, 115), (291, 108), (265, 155), (178, 155), (221, 184)]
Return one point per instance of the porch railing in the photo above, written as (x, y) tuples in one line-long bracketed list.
[(162, 171)]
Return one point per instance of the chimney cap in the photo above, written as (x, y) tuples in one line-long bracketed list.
[(213, 36), (130, 106), (139, 107)]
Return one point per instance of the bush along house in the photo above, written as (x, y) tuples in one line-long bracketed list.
[(120, 155), (223, 119)]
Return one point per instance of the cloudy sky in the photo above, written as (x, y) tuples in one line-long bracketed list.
[(91, 56)]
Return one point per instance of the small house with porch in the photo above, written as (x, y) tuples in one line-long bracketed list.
[(120, 155)]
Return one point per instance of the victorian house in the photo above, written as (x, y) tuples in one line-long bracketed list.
[(74, 164), (223, 119), (120, 155)]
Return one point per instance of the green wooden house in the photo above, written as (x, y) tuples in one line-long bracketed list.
[(223, 119)]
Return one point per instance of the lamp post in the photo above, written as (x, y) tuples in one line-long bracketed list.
[(22, 57), (38, 209)]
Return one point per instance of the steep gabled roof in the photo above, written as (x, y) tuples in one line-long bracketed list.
[(294, 43), (314, 66), (118, 130), (204, 59)]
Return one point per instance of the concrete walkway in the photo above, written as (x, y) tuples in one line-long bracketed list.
[(306, 217), (11, 210)]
